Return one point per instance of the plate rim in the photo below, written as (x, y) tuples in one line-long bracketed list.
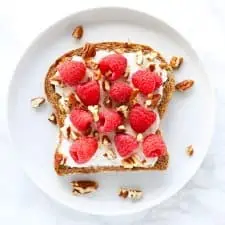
[(200, 65)]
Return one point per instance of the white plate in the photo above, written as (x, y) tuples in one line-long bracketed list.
[(189, 120)]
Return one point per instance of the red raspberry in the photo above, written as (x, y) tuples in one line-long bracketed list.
[(158, 81), (125, 144), (83, 149), (120, 92), (89, 92), (109, 120), (144, 81), (71, 72), (141, 119), (81, 119), (154, 146), (115, 63)]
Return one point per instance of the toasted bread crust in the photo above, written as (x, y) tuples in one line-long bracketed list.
[(53, 98)]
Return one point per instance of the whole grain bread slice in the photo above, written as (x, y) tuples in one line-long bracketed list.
[(53, 98)]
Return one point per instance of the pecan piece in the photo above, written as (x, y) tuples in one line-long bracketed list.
[(175, 62), (88, 50), (52, 118), (133, 194), (190, 150), (78, 32), (184, 85), (82, 187), (37, 102)]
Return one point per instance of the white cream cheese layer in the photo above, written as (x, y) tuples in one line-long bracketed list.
[(99, 159)]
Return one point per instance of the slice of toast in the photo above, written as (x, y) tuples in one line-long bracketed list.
[(62, 106)]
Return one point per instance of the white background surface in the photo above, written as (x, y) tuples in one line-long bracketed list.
[(202, 200)]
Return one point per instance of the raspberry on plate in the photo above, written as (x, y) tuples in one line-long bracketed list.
[(113, 66), (89, 92), (125, 144), (81, 119), (109, 120), (141, 119), (83, 149), (120, 92), (154, 146), (71, 72), (144, 80)]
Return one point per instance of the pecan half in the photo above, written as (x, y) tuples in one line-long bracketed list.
[(78, 32), (88, 50), (82, 187), (184, 85)]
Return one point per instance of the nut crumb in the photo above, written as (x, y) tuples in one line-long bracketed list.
[(78, 32), (82, 187), (190, 150), (52, 118), (37, 102), (184, 85), (133, 194)]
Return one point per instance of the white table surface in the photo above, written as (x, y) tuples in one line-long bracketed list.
[(202, 200)]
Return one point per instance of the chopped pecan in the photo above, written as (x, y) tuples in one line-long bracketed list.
[(88, 50), (105, 140), (107, 102), (105, 85), (139, 58), (190, 150), (133, 161), (140, 137), (82, 187), (133, 194), (123, 109), (91, 64), (97, 74), (109, 154), (121, 129), (78, 32), (133, 97), (94, 109), (155, 100), (37, 102), (184, 85), (175, 62), (52, 118)]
